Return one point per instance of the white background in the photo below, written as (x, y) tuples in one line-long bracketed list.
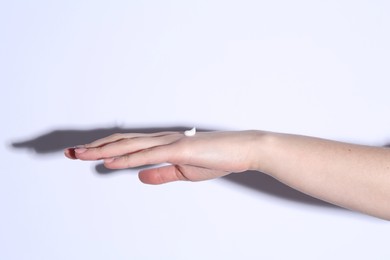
[(318, 68)]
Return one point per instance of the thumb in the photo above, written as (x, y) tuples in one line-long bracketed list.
[(162, 175)]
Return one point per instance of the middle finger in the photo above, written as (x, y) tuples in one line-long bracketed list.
[(124, 146)]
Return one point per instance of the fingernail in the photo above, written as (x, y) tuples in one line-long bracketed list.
[(68, 153), (80, 150), (109, 160)]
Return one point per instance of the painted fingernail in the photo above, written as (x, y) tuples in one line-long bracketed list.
[(69, 152), (109, 160), (80, 150)]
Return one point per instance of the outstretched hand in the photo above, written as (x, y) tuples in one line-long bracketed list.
[(206, 155)]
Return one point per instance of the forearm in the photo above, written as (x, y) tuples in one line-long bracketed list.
[(352, 176)]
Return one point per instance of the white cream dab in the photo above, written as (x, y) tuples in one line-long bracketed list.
[(191, 132)]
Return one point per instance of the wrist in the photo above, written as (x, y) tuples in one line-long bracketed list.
[(261, 150)]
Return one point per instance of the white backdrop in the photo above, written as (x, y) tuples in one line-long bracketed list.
[(69, 69)]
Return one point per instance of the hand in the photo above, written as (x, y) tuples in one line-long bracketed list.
[(206, 155)]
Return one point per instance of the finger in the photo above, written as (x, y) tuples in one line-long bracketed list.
[(70, 153), (119, 136), (178, 173), (107, 139), (123, 147), (161, 175), (154, 155)]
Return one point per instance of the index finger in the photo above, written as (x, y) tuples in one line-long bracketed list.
[(119, 136)]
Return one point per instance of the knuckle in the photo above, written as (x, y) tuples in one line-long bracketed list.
[(180, 174), (127, 162), (97, 151), (119, 163)]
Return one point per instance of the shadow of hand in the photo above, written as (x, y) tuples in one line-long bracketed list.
[(58, 140)]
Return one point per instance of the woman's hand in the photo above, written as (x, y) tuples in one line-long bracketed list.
[(206, 155)]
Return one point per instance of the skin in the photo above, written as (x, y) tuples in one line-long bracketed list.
[(352, 176)]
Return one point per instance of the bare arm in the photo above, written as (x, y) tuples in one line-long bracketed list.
[(352, 176)]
